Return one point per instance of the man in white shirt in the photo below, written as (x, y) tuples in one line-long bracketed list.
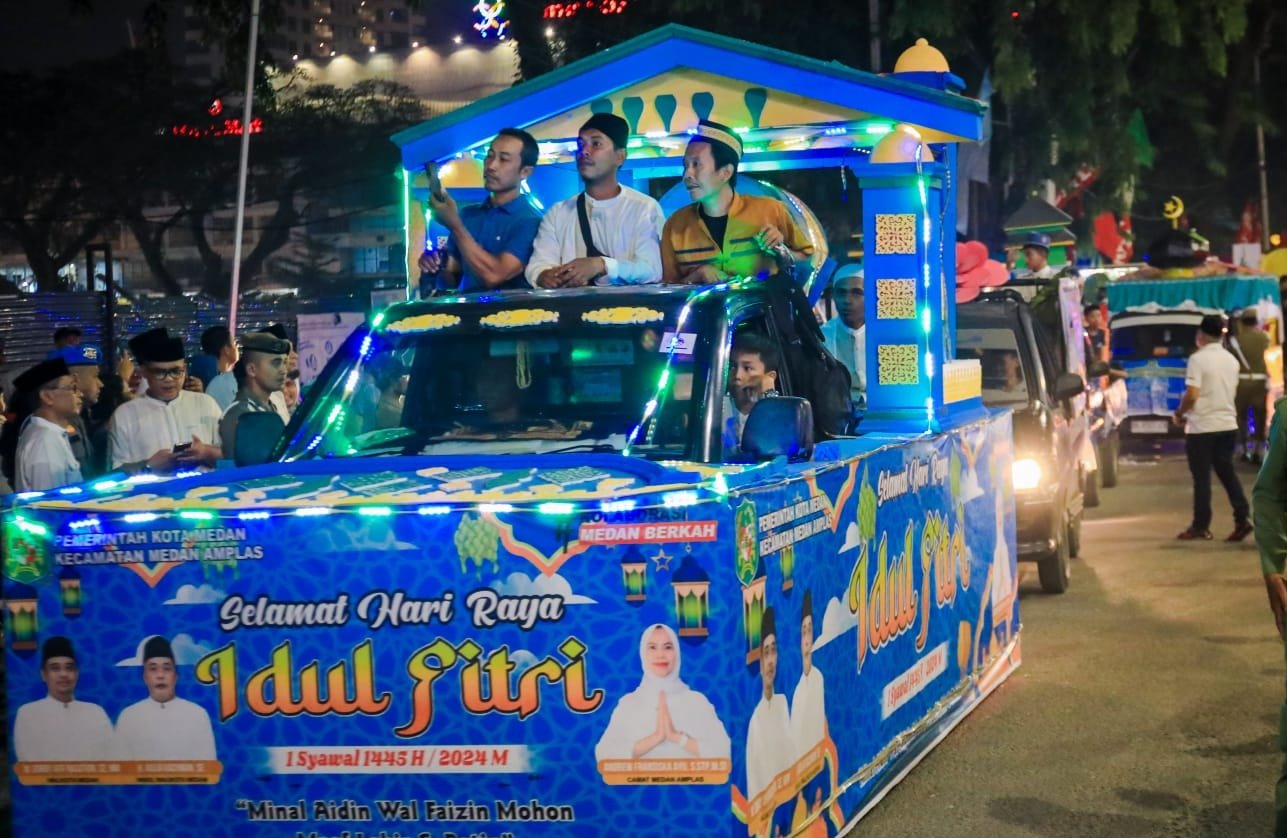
[(44, 459), (261, 372), (167, 427), (624, 224), (808, 702), (846, 333), (163, 726), (769, 747), (1211, 428), (58, 727)]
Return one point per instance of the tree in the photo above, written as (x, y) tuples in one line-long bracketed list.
[(316, 141), (1068, 75), (58, 131)]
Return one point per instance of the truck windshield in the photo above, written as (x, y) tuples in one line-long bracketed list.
[(513, 390), (997, 351), (1140, 342)]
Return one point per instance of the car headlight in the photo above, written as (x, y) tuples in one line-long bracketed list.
[(1026, 474)]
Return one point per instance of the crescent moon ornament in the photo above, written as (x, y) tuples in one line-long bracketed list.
[(1173, 209)]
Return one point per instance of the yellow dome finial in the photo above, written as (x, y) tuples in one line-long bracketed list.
[(900, 146), (921, 58)]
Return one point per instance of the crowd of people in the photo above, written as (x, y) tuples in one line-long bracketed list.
[(67, 422)]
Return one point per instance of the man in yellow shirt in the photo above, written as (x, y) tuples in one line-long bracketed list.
[(723, 235)]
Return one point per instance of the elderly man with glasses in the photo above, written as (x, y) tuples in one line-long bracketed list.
[(44, 459), (167, 427)]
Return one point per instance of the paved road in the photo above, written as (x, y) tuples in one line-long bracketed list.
[(1148, 698)]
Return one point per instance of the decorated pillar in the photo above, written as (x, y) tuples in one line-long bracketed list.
[(914, 382)]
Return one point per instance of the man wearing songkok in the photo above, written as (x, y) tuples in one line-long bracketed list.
[(58, 727), (163, 726), (167, 427), (722, 234), (260, 373), (44, 459), (770, 749), (607, 235)]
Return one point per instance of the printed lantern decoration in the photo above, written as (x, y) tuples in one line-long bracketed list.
[(20, 604), (634, 573), (69, 591), (753, 614), (692, 598), (787, 560)]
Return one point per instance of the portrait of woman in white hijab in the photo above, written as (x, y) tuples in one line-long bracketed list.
[(662, 718)]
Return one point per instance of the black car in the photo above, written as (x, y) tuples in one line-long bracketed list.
[(1021, 373)]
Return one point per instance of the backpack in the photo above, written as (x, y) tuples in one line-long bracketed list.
[(816, 375)]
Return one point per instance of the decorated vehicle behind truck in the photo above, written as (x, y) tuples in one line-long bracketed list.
[(1152, 331), (508, 573)]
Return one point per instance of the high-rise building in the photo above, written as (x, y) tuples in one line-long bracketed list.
[(316, 29)]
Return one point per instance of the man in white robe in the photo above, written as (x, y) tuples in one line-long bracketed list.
[(846, 333), (58, 727), (808, 705), (769, 748), (166, 428), (163, 726)]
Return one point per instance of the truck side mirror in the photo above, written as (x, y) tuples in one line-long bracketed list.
[(1067, 385), (257, 433), (780, 426)]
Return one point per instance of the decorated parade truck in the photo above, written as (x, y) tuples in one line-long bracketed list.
[(546, 594), (539, 563)]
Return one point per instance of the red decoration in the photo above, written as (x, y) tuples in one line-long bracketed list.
[(1069, 198), (1113, 239), (227, 128), (216, 107), (559, 11)]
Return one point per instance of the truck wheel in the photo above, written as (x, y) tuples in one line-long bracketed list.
[(1053, 568), (1109, 450), (1090, 489)]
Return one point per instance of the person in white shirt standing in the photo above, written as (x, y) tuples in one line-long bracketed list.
[(1211, 429), (44, 459), (58, 727), (163, 726), (607, 235), (846, 333), (167, 427)]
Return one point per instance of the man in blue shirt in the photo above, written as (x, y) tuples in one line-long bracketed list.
[(490, 242)]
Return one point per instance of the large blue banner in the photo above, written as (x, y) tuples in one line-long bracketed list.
[(548, 651)]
